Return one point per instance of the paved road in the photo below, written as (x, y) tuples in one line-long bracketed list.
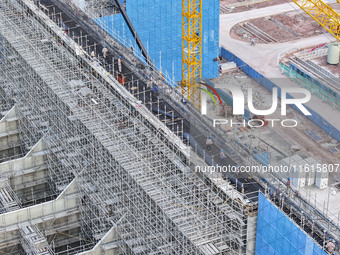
[(263, 57)]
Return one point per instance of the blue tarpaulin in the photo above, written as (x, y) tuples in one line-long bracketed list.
[(263, 158), (276, 234), (159, 25)]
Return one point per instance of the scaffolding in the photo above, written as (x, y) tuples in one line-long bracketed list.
[(5, 104), (132, 173), (33, 241), (8, 198)]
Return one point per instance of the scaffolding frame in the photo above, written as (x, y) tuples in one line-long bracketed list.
[(130, 175)]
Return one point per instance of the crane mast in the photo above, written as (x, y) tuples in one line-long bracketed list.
[(192, 50)]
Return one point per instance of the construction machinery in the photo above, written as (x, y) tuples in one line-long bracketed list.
[(322, 13), (191, 50)]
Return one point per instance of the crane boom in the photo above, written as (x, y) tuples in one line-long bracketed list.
[(322, 13)]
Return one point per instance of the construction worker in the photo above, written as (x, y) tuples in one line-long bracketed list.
[(209, 142), (28, 11), (104, 51), (288, 185), (222, 156), (184, 101), (151, 80), (93, 55), (277, 194), (155, 90), (252, 41), (330, 246), (120, 64)]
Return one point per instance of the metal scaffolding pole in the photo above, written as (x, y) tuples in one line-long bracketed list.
[(131, 176)]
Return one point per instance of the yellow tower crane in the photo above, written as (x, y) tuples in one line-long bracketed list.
[(191, 50), (322, 13)]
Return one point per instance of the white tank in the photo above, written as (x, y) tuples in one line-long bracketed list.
[(333, 54)]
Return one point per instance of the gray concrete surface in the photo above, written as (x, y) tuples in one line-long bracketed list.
[(263, 57)]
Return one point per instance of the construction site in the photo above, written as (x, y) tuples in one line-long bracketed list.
[(117, 134)]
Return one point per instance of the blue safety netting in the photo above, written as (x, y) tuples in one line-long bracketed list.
[(276, 234), (159, 25)]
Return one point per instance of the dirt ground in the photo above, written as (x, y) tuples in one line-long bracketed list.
[(322, 61), (295, 25), (246, 6), (335, 6)]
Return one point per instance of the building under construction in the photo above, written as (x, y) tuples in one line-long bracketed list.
[(95, 160)]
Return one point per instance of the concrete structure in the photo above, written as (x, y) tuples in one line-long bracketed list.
[(265, 58)]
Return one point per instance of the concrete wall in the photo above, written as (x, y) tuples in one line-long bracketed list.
[(251, 234), (9, 134), (107, 245), (64, 208), (67, 200)]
